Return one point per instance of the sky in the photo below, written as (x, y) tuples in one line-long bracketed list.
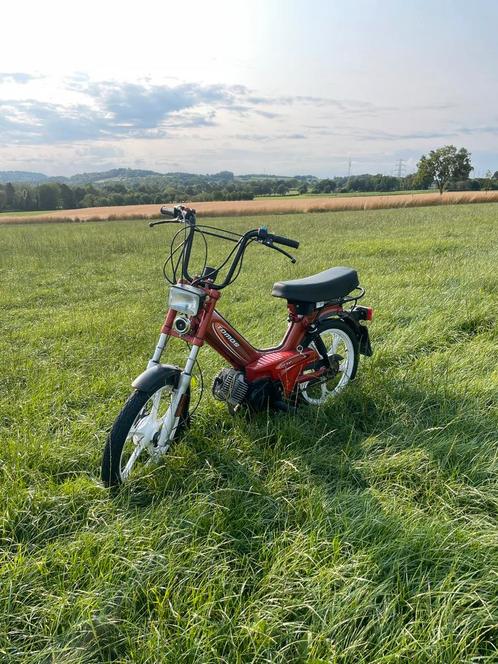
[(260, 86)]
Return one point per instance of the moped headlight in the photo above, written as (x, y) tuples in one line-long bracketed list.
[(185, 299)]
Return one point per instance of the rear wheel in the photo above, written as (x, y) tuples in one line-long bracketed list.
[(342, 349), (132, 444)]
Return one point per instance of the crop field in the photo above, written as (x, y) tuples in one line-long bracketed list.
[(263, 205), (363, 532)]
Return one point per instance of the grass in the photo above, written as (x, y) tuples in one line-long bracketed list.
[(364, 532), (21, 213), (349, 194)]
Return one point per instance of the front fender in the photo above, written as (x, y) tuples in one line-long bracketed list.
[(156, 377)]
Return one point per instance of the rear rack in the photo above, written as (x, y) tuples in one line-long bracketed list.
[(352, 298)]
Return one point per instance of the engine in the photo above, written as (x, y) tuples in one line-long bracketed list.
[(230, 386)]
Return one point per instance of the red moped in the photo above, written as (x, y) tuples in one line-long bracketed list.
[(315, 360)]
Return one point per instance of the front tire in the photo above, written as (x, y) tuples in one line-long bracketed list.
[(342, 347), (132, 441)]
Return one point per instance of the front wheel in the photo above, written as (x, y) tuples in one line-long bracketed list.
[(341, 344), (133, 440)]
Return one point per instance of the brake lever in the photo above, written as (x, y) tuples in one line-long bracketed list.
[(272, 246), (162, 221)]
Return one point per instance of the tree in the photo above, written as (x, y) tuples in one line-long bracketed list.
[(67, 197), (326, 186), (26, 200), (10, 196), (88, 200), (48, 196), (281, 189), (444, 164), (488, 182)]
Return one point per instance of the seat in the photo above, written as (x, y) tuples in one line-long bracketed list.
[(325, 286)]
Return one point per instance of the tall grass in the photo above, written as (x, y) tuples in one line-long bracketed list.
[(362, 532), (282, 205)]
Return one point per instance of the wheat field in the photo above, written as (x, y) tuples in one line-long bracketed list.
[(262, 206)]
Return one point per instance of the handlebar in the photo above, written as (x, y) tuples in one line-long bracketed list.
[(186, 215), (287, 242), (179, 212), (169, 212)]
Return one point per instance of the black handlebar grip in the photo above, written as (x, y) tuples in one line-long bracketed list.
[(285, 241), (168, 212)]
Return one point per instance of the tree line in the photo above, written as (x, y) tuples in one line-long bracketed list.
[(445, 168)]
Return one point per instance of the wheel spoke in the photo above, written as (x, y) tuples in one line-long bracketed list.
[(131, 461), (155, 404), (338, 343), (142, 433)]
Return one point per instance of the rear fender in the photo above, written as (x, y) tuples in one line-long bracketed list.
[(352, 319), (156, 377)]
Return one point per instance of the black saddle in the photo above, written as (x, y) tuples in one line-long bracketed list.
[(325, 286)]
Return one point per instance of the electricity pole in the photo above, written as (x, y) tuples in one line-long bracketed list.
[(349, 173)]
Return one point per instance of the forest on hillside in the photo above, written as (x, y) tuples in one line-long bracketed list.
[(149, 187)]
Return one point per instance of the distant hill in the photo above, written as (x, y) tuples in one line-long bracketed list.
[(263, 176), (22, 176), (139, 176), (115, 174)]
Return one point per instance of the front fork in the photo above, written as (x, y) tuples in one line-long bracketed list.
[(161, 345), (172, 417)]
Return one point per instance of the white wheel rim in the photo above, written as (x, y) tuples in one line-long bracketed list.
[(141, 435), (337, 342)]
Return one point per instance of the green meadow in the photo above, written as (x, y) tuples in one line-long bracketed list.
[(362, 532)]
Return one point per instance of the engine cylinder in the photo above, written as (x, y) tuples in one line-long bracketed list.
[(230, 386)]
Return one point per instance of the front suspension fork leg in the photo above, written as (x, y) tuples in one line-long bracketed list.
[(158, 351), (172, 417)]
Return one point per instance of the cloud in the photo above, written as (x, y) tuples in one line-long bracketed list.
[(269, 115), (365, 134), (120, 110), (146, 106), (346, 105), (99, 151), (31, 121), (269, 137), (17, 77), (442, 134), (109, 110), (190, 119)]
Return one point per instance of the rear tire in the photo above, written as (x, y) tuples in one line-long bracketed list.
[(340, 341), (132, 413)]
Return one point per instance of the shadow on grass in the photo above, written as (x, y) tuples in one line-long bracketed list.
[(294, 498), (392, 436), (327, 445)]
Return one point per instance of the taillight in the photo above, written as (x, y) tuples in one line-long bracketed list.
[(363, 313)]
